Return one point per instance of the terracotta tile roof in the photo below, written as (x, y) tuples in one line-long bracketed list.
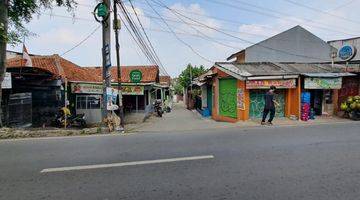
[(61, 67), (43, 62), (150, 73), (165, 80)]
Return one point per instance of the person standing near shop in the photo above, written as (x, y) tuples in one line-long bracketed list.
[(269, 106)]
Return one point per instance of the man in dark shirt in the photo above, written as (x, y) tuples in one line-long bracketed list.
[(269, 106)]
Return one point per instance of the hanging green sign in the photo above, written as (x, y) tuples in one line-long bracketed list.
[(102, 10), (135, 76)]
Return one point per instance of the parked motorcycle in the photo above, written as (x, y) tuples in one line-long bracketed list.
[(71, 120), (158, 108)]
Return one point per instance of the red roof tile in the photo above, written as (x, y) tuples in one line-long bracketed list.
[(150, 73), (165, 80), (61, 67)]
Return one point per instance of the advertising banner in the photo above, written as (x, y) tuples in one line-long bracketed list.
[(88, 88), (133, 90), (6, 84), (265, 84), (323, 83), (240, 99)]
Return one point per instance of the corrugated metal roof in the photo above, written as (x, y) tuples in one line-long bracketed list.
[(310, 67), (244, 70), (329, 75)]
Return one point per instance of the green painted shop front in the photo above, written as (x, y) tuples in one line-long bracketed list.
[(257, 103), (227, 98)]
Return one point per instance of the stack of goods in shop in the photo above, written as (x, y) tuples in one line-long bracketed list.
[(305, 106)]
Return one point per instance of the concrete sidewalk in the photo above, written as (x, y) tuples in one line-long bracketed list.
[(182, 119)]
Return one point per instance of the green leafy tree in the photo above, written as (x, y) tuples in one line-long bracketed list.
[(190, 71), (14, 14), (178, 88)]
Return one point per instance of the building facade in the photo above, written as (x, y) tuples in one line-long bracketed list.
[(52, 78), (235, 91), (294, 45)]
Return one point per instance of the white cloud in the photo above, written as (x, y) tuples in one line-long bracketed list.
[(193, 13), (63, 36)]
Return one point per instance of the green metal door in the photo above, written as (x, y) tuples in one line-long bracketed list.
[(227, 98), (257, 103)]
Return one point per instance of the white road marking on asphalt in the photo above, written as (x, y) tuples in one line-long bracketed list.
[(145, 162)]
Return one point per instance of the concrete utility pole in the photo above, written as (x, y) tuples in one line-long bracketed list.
[(117, 27), (3, 33), (106, 28)]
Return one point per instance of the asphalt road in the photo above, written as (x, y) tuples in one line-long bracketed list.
[(317, 162)]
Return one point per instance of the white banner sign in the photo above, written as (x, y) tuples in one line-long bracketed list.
[(6, 84), (323, 83)]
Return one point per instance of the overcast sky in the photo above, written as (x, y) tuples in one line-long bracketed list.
[(251, 21)]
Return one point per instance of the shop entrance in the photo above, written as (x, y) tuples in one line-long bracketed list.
[(134, 103), (316, 97), (227, 98), (257, 103), (322, 102)]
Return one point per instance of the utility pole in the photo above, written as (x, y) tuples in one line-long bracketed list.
[(3, 33), (106, 30), (117, 27)]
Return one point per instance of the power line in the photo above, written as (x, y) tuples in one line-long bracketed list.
[(342, 5), (274, 14), (147, 50), (307, 19), (325, 12), (266, 14), (147, 38), (134, 39), (206, 36), (255, 11), (160, 30), (137, 34), (244, 40), (82, 41), (177, 37)]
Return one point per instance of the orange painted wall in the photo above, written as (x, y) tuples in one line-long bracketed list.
[(244, 114), (293, 102), (215, 110)]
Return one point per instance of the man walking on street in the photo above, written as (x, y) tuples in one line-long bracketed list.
[(269, 106)]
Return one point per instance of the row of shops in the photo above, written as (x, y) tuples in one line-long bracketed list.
[(51, 78), (312, 77), (235, 91)]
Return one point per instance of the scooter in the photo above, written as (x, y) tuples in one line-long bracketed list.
[(71, 120), (158, 108)]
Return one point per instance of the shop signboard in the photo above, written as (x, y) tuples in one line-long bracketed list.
[(265, 84), (6, 84), (132, 90), (240, 99), (86, 88), (323, 83), (347, 52), (135, 76)]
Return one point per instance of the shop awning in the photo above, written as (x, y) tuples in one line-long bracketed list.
[(328, 75)]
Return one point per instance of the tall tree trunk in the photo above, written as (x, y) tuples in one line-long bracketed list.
[(3, 41)]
